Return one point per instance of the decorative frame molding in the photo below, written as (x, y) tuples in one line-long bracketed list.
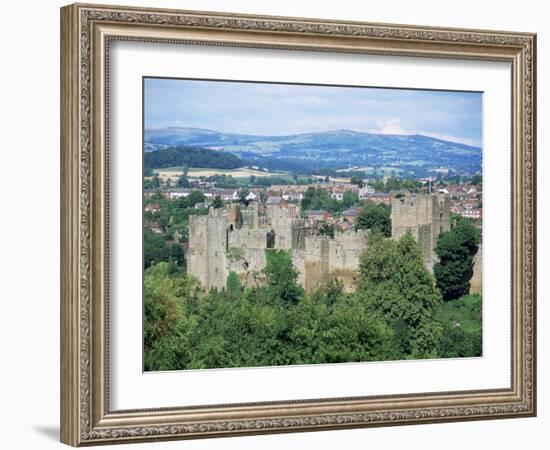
[(86, 31)]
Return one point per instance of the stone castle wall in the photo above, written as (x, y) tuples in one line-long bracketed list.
[(316, 262), (247, 238), (235, 239), (206, 255), (476, 283), (197, 254), (425, 217)]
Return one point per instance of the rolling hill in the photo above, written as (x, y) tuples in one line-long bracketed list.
[(409, 155)]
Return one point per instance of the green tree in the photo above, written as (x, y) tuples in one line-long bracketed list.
[(477, 180), (410, 185), (456, 250), (243, 193), (182, 182), (167, 325), (357, 180), (395, 286), (155, 182), (233, 285), (378, 185), (155, 249), (349, 199), (217, 202), (326, 229), (333, 291), (462, 324), (194, 198), (176, 255), (282, 277), (375, 218), (342, 332)]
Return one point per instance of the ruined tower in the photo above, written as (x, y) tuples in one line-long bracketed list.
[(425, 217), (207, 248)]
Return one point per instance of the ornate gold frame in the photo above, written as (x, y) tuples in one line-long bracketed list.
[(86, 31)]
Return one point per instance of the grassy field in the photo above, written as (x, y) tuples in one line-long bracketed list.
[(370, 170), (241, 172), (333, 179), (464, 312), (366, 169), (462, 324), (172, 173)]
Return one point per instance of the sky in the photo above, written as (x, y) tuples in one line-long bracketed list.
[(282, 109)]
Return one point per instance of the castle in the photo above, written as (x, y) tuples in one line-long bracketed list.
[(235, 239), (425, 217)]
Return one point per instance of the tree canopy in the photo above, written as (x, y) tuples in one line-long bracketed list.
[(375, 218), (396, 287), (190, 157), (456, 250), (282, 277), (394, 313)]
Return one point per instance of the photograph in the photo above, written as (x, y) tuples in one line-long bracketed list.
[(291, 224), (289, 220)]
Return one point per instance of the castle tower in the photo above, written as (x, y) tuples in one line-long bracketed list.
[(425, 217), (316, 261), (206, 257)]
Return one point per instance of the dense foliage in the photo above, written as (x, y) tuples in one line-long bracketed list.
[(320, 198), (396, 313), (191, 157), (395, 184), (462, 327), (375, 218), (172, 220), (456, 250), (188, 328), (395, 286)]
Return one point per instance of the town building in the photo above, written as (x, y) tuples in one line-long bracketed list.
[(318, 215)]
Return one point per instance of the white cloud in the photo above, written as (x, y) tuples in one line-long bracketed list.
[(392, 126)]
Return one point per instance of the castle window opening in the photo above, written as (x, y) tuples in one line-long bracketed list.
[(270, 239)]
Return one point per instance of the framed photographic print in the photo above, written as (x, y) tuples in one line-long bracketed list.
[(277, 224)]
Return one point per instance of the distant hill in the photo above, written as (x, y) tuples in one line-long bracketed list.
[(340, 149), (191, 157)]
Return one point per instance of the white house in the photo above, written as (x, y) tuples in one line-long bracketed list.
[(365, 191)]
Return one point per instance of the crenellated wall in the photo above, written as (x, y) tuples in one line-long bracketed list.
[(232, 239), (235, 239)]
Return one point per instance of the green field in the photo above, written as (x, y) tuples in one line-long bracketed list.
[(241, 172), (462, 326)]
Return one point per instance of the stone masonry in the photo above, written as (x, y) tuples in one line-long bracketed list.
[(235, 239), (425, 217)]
